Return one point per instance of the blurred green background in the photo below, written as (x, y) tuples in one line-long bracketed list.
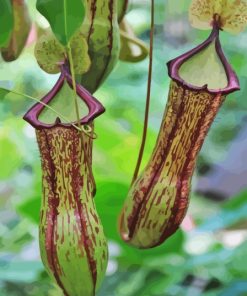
[(209, 255)]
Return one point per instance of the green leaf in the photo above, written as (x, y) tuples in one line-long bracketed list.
[(237, 201), (65, 17), (237, 288), (6, 22), (24, 271), (50, 53), (30, 209), (232, 212), (10, 157), (3, 93)]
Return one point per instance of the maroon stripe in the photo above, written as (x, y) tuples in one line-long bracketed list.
[(85, 236), (110, 38), (151, 205), (93, 11), (133, 223), (185, 177), (54, 204)]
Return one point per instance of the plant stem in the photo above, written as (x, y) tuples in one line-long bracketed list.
[(144, 134), (47, 106), (88, 133), (71, 65)]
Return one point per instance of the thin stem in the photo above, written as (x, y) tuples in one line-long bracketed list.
[(150, 70), (71, 64), (87, 132), (47, 106), (65, 19)]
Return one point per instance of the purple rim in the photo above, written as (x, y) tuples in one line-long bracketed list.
[(175, 64), (94, 106)]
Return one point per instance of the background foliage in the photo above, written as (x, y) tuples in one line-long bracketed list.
[(207, 257)]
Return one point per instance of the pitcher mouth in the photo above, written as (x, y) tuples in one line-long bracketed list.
[(175, 65), (95, 108)]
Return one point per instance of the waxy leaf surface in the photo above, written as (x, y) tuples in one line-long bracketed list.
[(65, 17)]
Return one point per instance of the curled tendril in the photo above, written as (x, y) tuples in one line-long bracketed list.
[(88, 131)]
